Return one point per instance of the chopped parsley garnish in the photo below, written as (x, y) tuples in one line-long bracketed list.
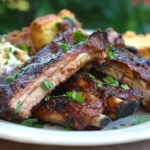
[(110, 81), (63, 47), (78, 36), (125, 86), (10, 78), (91, 77), (33, 122), (110, 53), (139, 120), (68, 128), (76, 96), (18, 107), (24, 47), (114, 127), (99, 83), (46, 85), (123, 125), (8, 52), (69, 19), (47, 98)]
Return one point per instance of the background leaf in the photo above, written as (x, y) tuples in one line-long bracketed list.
[(121, 15)]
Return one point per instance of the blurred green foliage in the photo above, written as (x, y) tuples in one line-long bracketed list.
[(119, 14)]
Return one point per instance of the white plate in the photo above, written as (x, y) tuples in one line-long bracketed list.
[(54, 135)]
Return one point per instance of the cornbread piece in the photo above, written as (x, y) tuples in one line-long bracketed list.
[(45, 29), (141, 42), (66, 13), (51, 66)]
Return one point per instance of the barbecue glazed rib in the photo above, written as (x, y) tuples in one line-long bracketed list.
[(62, 110), (127, 68), (51, 65), (99, 102), (131, 70), (117, 102)]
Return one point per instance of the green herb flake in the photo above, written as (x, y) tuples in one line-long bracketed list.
[(68, 128), (139, 120), (91, 77), (47, 98), (123, 125), (24, 47), (69, 19), (10, 78), (114, 127), (110, 53), (8, 52), (18, 107), (110, 81), (76, 96), (63, 47), (125, 87), (78, 36), (99, 84), (46, 85), (32, 122)]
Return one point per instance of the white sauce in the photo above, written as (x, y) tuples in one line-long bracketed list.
[(7, 64)]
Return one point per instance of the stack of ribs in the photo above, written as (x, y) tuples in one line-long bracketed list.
[(68, 71), (101, 104), (127, 68), (50, 64)]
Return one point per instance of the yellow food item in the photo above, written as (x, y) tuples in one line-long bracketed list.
[(66, 13), (44, 29), (141, 42)]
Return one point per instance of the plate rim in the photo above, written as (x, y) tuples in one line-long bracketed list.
[(19, 133)]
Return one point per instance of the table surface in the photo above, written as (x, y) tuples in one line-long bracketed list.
[(7, 145)]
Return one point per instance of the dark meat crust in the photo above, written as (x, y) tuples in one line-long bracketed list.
[(76, 115), (117, 102), (114, 38), (64, 111), (132, 65), (131, 70), (40, 63), (98, 102)]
